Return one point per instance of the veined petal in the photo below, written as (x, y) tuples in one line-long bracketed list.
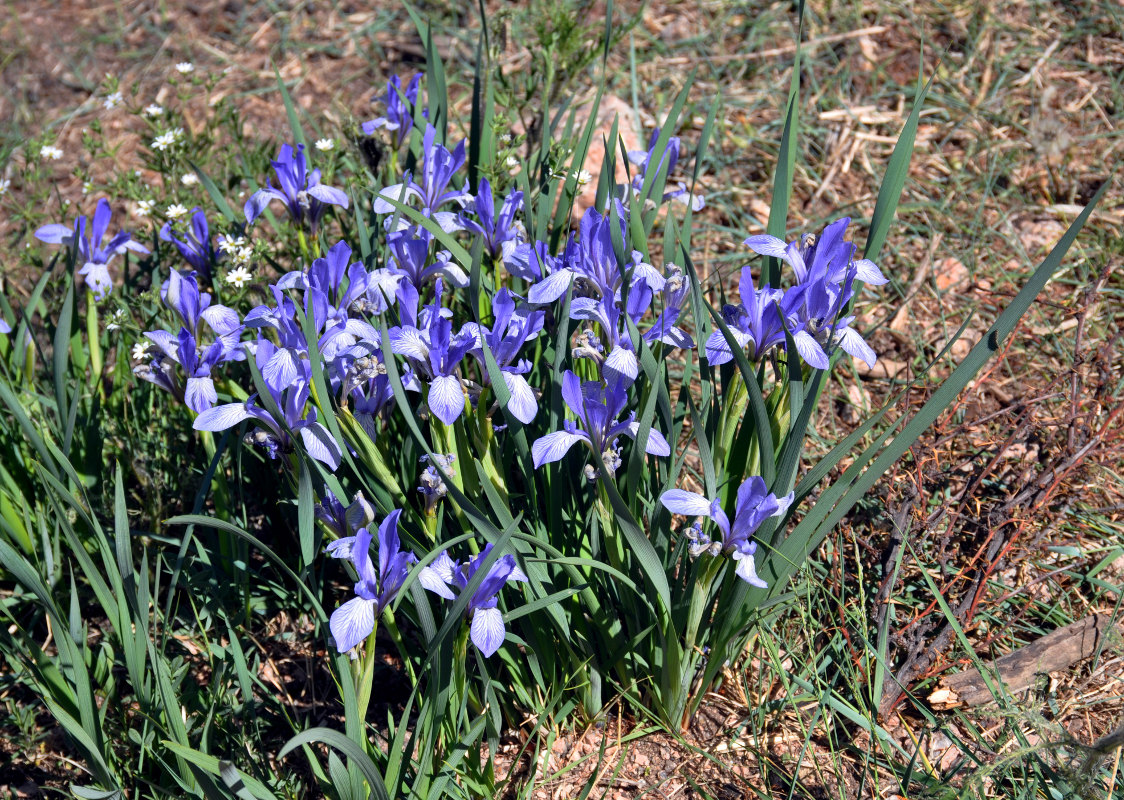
[(281, 369), (321, 445), (550, 288), (352, 622), (446, 398), (554, 446), (689, 504), (399, 193), (329, 195), (431, 578), (868, 272), (200, 394), (852, 342), (810, 350), (656, 444), (522, 404), (219, 418), (410, 342), (766, 245), (223, 320), (55, 233), (621, 365), (487, 631), (747, 571), (258, 201)]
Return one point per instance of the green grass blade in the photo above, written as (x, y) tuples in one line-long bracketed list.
[(889, 193)]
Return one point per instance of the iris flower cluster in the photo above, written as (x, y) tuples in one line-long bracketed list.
[(448, 359), (811, 310)]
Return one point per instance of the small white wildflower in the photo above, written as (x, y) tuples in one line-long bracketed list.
[(189, 179), (51, 152), (582, 177), (242, 255), (115, 320), (168, 139), (153, 110), (239, 277), (228, 244), (511, 161), (145, 207), (87, 187), (185, 68), (140, 350), (113, 100), (5, 184), (175, 211), (325, 144), (505, 138)]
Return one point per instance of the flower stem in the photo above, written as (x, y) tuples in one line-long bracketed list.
[(366, 674), (94, 336)]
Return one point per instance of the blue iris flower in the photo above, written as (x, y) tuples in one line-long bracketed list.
[(181, 294), (95, 256), (487, 629), (439, 164), (399, 116), (298, 188), (195, 246), (292, 402), (354, 621), (755, 322), (597, 407), (754, 505), (826, 270), (512, 328), (435, 353), (590, 263), (497, 229)]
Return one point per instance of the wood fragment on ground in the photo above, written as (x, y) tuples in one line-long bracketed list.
[(1054, 651)]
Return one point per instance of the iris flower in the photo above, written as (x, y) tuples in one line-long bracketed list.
[(399, 113), (512, 328), (300, 190), (487, 630), (354, 621), (754, 505), (597, 407), (95, 257), (195, 246)]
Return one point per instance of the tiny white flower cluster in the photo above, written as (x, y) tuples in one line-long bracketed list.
[(145, 207), (115, 320), (5, 185), (325, 145), (153, 110), (189, 179), (185, 68), (175, 211), (140, 350), (168, 139), (51, 152), (239, 277), (239, 251), (582, 177), (113, 100), (87, 187)]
